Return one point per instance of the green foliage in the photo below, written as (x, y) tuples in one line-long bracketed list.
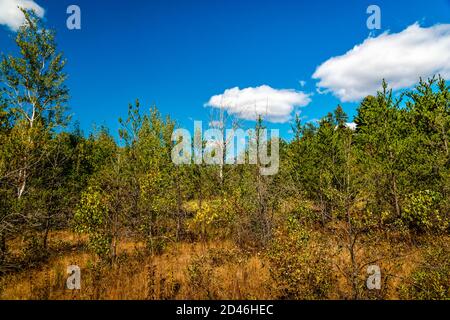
[(91, 217), (299, 269), (431, 279), (200, 277), (320, 163), (33, 251), (302, 214), (157, 194), (422, 211), (33, 100), (33, 83), (212, 220)]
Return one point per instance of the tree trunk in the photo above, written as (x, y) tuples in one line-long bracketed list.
[(179, 211), (200, 197), (23, 182), (445, 140), (47, 230), (114, 236), (113, 253), (351, 246), (2, 247), (396, 200)]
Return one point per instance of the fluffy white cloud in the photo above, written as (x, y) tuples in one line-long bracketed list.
[(10, 14), (351, 125), (274, 105), (400, 58)]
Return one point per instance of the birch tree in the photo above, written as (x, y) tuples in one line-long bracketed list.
[(33, 90)]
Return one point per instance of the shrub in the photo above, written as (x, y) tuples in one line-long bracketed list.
[(213, 219), (421, 211), (431, 279), (200, 276), (91, 217), (304, 212), (204, 272), (33, 251), (299, 269)]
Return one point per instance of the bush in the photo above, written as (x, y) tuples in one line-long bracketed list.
[(204, 272), (431, 279), (213, 219), (200, 276), (422, 212), (91, 217), (299, 269), (304, 212), (33, 251)]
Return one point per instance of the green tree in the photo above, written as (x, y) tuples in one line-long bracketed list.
[(381, 137), (33, 100), (32, 86)]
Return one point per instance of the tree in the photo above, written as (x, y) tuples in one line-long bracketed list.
[(33, 89), (381, 137), (428, 113), (4, 212), (32, 106), (104, 205)]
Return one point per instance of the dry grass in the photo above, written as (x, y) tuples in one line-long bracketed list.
[(210, 270), (136, 275)]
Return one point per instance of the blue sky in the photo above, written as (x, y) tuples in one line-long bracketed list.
[(178, 54)]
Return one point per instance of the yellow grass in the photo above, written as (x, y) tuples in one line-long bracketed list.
[(183, 271), (136, 275)]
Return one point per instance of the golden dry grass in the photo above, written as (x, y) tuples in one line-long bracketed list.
[(203, 270), (136, 275)]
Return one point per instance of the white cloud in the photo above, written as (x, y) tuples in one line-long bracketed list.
[(274, 105), (10, 14), (351, 125), (400, 58)]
